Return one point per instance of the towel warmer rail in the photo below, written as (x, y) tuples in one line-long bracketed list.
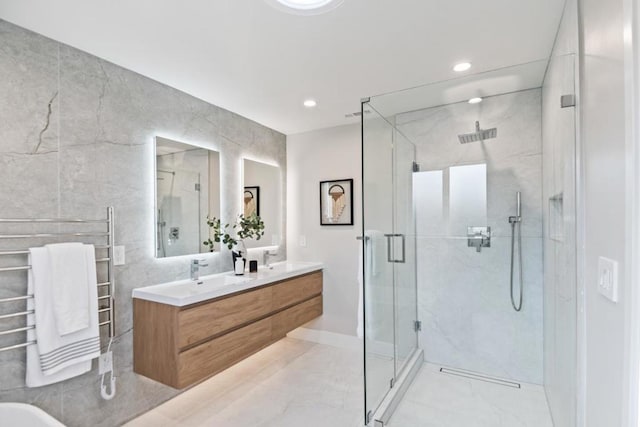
[(110, 282)]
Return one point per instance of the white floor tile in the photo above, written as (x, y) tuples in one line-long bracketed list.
[(437, 399), (300, 384)]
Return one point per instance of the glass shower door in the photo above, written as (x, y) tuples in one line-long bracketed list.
[(377, 186), (404, 269), (390, 300)]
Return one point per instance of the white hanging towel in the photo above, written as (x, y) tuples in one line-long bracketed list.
[(69, 278), (370, 262), (58, 357)]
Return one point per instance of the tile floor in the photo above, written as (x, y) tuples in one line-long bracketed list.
[(292, 383), (439, 400), (302, 384)]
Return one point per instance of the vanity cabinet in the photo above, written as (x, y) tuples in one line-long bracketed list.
[(180, 346)]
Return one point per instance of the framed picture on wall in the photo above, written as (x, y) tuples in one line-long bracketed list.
[(251, 201), (336, 202)]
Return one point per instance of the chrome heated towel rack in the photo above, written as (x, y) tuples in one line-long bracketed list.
[(105, 299)]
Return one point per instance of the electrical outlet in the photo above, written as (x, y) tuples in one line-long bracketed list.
[(303, 241), (105, 363), (608, 278), (118, 255)]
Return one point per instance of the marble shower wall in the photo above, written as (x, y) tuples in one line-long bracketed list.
[(76, 136), (463, 295)]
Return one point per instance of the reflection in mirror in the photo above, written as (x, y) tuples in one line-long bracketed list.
[(262, 196), (187, 190)]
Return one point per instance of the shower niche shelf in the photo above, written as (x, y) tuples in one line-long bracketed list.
[(556, 222)]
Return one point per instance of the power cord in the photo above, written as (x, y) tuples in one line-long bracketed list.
[(112, 383)]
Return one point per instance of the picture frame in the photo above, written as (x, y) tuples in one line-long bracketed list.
[(336, 202), (251, 201)]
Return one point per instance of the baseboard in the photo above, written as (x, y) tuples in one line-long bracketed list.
[(333, 339)]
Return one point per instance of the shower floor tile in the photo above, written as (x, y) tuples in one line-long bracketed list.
[(437, 399)]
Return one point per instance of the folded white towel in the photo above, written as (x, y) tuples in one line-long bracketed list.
[(55, 357), (70, 292)]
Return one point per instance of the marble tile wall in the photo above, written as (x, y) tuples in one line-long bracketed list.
[(463, 295), (76, 135)]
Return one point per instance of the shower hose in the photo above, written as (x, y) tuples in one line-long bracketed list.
[(515, 223)]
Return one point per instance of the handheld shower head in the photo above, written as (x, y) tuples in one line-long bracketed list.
[(478, 135)]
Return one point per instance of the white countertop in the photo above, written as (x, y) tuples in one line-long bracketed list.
[(185, 292)]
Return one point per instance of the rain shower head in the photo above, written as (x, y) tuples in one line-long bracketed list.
[(478, 135)]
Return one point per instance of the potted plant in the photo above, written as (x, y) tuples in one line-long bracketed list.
[(251, 227)]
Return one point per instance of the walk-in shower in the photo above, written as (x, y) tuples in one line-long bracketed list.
[(467, 296)]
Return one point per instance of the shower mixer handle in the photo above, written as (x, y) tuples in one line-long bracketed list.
[(479, 237)]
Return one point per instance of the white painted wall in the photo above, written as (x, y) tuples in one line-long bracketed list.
[(326, 154), (607, 194)]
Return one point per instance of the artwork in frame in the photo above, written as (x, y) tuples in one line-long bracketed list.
[(251, 201), (336, 202)]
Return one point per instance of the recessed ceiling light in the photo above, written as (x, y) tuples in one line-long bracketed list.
[(304, 4), (475, 100), (305, 7), (310, 103), (463, 66)]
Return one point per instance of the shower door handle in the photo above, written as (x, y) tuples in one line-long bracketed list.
[(389, 258)]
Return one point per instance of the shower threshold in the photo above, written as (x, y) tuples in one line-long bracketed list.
[(383, 413)]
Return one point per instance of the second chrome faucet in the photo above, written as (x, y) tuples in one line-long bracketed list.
[(265, 257)]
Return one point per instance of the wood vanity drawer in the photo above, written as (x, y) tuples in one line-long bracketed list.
[(180, 346), (295, 290), (218, 354), (203, 321), (296, 316)]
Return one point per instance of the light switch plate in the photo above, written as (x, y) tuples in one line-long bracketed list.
[(608, 278), (118, 255), (303, 241)]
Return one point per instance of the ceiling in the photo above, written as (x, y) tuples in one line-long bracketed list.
[(257, 61)]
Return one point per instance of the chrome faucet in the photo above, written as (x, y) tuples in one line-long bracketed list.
[(195, 269), (265, 257)]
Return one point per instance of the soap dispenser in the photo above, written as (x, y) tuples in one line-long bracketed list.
[(239, 264)]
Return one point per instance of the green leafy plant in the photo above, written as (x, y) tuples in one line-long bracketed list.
[(251, 227)]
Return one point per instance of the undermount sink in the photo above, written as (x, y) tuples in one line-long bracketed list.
[(282, 267), (185, 292), (217, 280)]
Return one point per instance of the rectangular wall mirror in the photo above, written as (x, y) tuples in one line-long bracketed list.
[(187, 190), (262, 196)]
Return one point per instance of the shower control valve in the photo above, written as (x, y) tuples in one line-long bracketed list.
[(479, 237)]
